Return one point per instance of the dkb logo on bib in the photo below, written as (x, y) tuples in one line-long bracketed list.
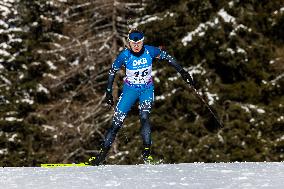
[(139, 62)]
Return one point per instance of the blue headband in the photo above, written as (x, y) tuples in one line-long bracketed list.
[(136, 36)]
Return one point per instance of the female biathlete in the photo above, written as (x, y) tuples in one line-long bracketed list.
[(138, 85)]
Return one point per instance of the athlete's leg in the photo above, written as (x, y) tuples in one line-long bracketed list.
[(126, 100), (112, 131), (145, 122), (146, 98)]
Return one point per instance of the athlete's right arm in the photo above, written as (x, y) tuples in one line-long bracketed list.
[(114, 68)]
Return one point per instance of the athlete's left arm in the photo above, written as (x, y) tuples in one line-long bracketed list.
[(172, 61), (114, 68)]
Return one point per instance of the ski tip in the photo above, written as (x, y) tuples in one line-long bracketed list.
[(51, 165), (154, 162)]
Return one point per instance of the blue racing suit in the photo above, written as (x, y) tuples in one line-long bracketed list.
[(138, 85)]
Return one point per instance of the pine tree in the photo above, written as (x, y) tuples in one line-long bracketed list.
[(21, 70)]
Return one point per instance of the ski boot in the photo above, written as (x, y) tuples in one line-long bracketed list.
[(146, 155), (99, 159)]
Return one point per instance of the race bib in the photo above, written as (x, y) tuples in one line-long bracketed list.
[(139, 69)]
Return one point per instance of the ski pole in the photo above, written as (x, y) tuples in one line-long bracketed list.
[(220, 125)]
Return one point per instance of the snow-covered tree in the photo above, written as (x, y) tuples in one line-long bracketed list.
[(20, 67)]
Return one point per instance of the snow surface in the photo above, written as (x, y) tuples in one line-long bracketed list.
[(193, 175)]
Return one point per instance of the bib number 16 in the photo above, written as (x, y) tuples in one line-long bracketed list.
[(143, 73)]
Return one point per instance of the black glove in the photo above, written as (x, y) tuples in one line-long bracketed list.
[(109, 98), (186, 77)]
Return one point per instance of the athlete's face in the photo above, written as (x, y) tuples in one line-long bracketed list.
[(136, 46)]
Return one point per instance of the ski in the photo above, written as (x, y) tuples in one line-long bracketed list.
[(154, 162), (53, 165)]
